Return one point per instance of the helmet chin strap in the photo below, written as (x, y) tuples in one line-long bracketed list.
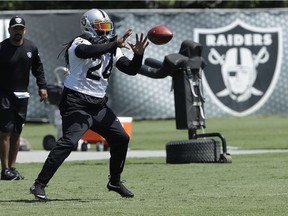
[(104, 39)]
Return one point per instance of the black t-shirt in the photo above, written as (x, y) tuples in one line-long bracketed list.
[(16, 63)]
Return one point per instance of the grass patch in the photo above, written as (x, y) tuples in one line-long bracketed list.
[(251, 185), (253, 132)]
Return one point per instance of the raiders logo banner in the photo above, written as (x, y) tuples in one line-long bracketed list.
[(243, 65)]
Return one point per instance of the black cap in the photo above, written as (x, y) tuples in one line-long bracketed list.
[(16, 21)]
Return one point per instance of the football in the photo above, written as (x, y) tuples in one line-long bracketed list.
[(160, 35)]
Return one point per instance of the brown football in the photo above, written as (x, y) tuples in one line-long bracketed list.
[(160, 35)]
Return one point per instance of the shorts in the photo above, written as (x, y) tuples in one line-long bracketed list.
[(13, 112), (10, 121)]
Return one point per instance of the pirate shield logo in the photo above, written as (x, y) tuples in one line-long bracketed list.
[(243, 65)]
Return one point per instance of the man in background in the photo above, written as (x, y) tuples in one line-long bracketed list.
[(18, 56)]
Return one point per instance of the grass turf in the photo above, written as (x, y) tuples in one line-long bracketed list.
[(253, 132), (251, 185)]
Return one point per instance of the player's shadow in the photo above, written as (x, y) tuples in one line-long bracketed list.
[(50, 200)]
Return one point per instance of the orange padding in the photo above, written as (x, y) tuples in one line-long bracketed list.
[(93, 138)]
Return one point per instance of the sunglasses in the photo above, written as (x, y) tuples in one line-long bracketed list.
[(103, 26)]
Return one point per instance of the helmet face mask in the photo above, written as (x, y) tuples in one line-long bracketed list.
[(97, 24)]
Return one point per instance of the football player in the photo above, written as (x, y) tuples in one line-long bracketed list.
[(90, 59)]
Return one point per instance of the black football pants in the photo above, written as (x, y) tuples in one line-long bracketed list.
[(74, 125)]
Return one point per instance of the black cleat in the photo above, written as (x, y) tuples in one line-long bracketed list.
[(37, 189), (120, 189), (8, 174), (15, 171)]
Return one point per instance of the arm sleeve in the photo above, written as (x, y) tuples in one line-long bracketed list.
[(38, 71), (85, 51), (130, 67)]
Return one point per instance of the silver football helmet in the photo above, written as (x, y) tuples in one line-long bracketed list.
[(97, 24)]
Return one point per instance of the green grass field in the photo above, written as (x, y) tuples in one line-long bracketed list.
[(250, 185), (264, 132)]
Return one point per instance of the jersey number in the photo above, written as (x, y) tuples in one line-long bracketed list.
[(106, 73)]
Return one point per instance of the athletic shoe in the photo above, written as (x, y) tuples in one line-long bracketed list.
[(15, 171), (120, 189), (8, 174), (37, 189)]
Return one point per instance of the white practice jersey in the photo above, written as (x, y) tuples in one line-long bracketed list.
[(90, 76)]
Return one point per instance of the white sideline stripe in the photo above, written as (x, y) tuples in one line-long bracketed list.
[(41, 155)]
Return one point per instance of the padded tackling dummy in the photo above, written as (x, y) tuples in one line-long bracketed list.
[(188, 96), (185, 68)]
